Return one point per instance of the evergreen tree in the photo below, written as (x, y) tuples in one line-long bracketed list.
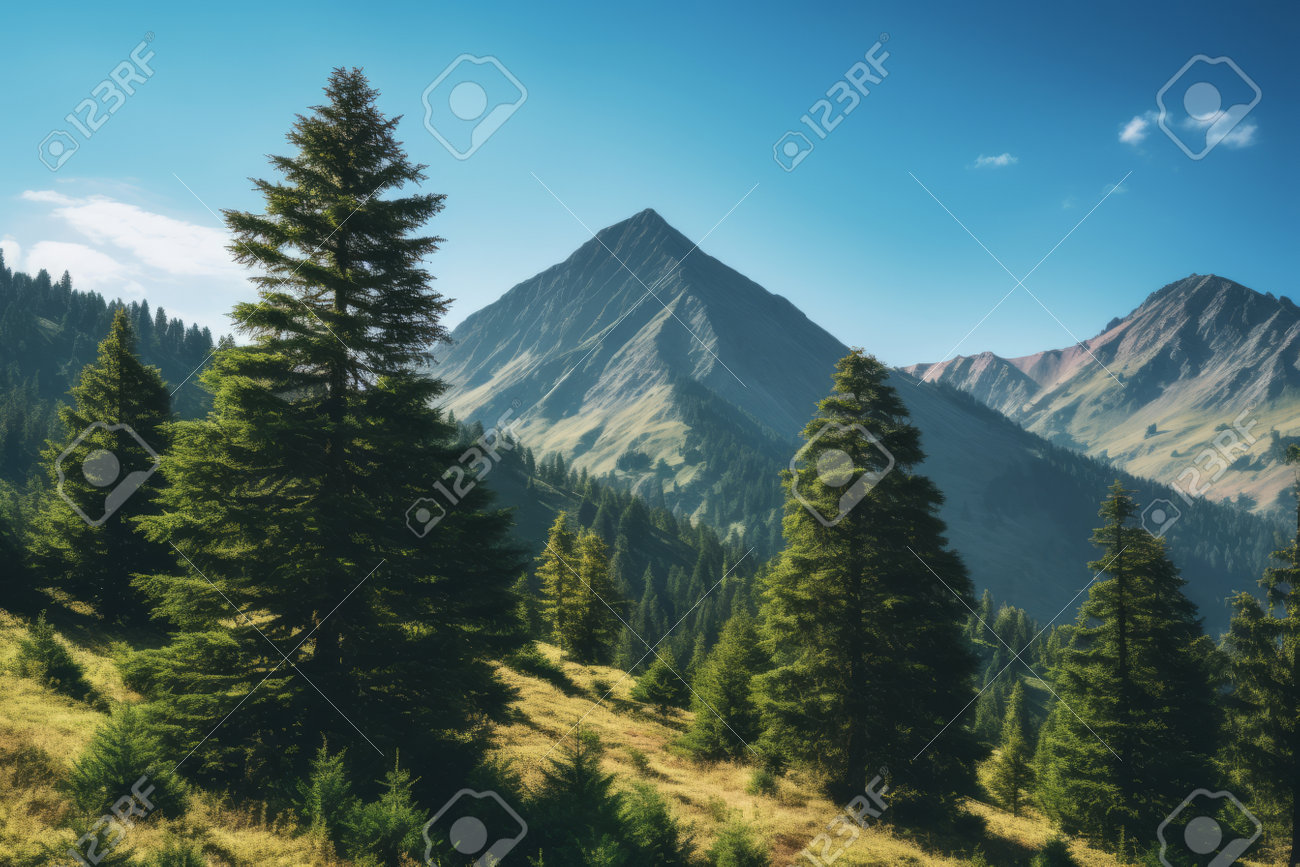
[(726, 714), (592, 630), (1264, 643), (576, 805), (1012, 771), (869, 658), (289, 496), (660, 686), (1134, 724), (123, 758), (106, 473), (557, 574)]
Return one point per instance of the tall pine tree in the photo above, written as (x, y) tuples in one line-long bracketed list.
[(102, 475), (556, 573), (726, 712), (1013, 766), (1133, 728), (869, 659), (286, 504), (1264, 643)]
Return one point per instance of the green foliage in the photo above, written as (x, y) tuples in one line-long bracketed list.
[(389, 829), (866, 640), (178, 852), (558, 577), (652, 836), (42, 657), (1055, 853), (594, 622), (761, 782), (1135, 725), (1263, 643), (529, 659), (124, 758), (577, 809), (288, 499), (738, 846), (726, 713), (1013, 767), (48, 333), (660, 687), (325, 800), (94, 555)]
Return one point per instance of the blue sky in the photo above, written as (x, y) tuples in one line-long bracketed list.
[(1019, 121)]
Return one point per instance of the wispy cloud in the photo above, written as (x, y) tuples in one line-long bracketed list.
[(1138, 128), (121, 249), (1002, 159), (162, 242)]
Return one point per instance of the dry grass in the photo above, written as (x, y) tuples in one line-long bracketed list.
[(42, 733), (704, 795)]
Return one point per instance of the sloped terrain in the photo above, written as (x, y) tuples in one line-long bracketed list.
[(595, 368), (1198, 356)]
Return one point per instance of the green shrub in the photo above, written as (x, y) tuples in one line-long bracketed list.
[(178, 853), (640, 761), (529, 659), (738, 846), (42, 657), (761, 782), (1055, 853), (390, 829), (650, 833), (325, 800), (124, 759)]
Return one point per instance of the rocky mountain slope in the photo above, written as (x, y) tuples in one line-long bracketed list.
[(1151, 393), (648, 360)]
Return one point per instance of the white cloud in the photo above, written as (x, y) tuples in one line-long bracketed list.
[(1003, 159), (123, 250), (1137, 129), (172, 246), (92, 269)]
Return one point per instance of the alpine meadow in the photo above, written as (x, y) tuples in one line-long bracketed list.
[(324, 548)]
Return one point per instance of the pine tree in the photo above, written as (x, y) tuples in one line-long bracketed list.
[(556, 573), (726, 714), (1264, 643), (593, 628), (869, 659), (576, 806), (1012, 769), (660, 686), (286, 503), (1134, 724), (107, 474)]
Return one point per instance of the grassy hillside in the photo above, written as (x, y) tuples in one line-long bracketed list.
[(42, 733)]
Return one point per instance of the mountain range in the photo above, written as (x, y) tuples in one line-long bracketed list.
[(1153, 390), (644, 360)]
